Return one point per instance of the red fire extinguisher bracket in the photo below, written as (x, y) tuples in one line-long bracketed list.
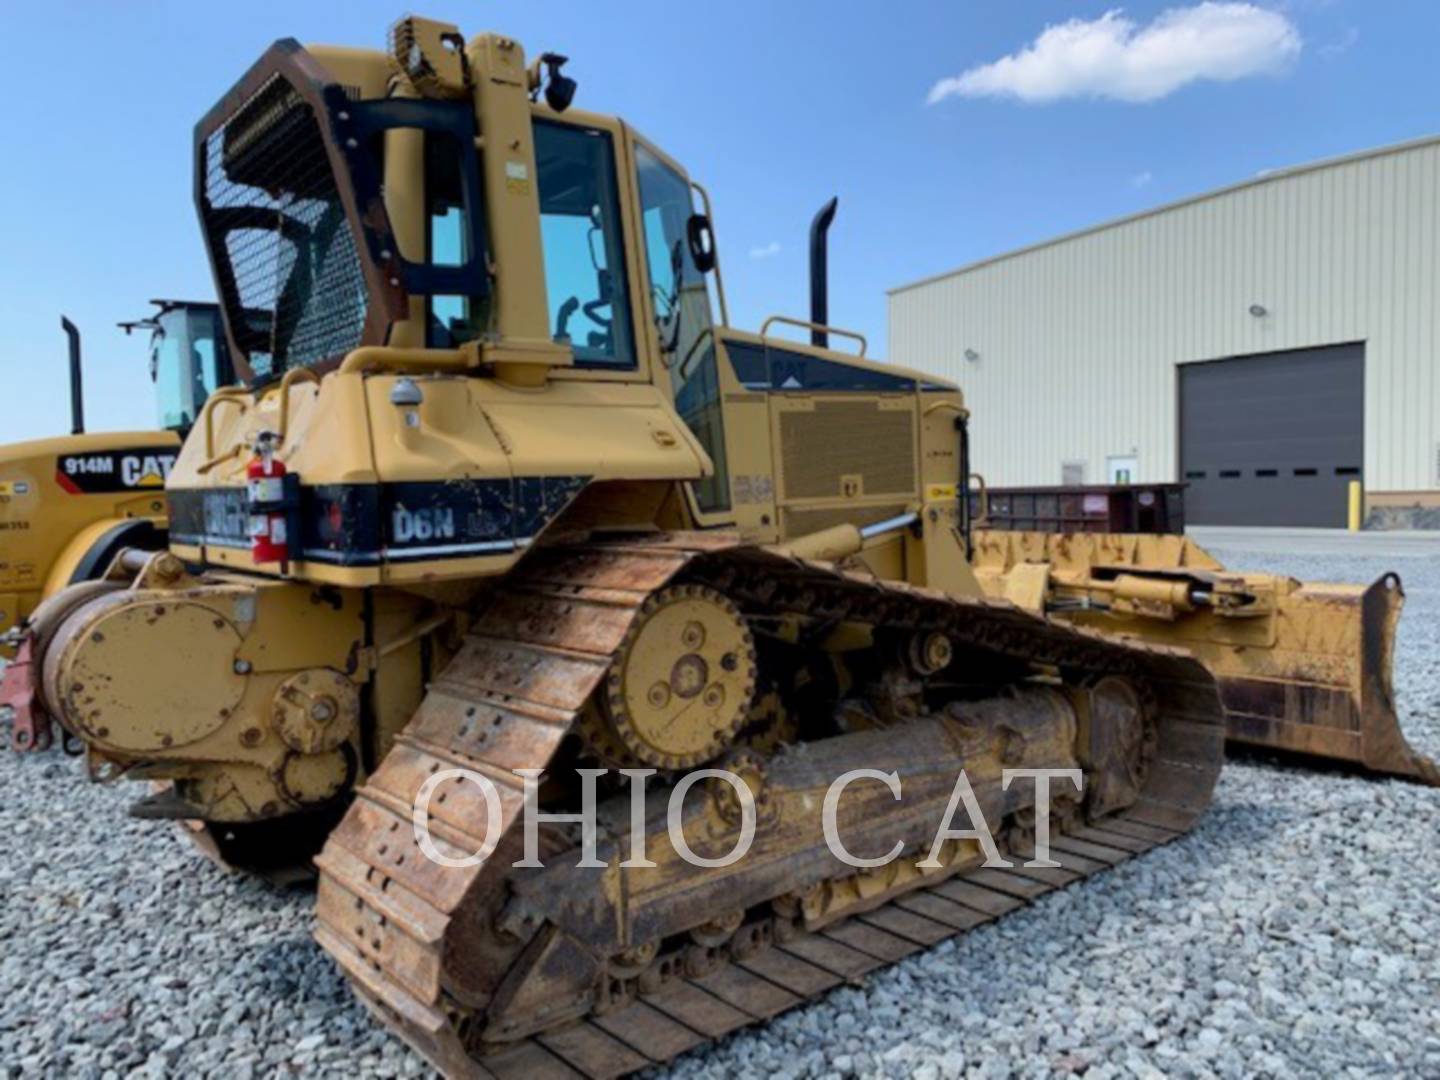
[(267, 503)]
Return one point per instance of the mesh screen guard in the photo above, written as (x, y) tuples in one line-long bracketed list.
[(288, 189), (273, 216)]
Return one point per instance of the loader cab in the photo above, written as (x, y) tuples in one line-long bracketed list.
[(189, 358)]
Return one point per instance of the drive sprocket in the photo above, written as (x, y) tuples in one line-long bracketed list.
[(681, 685)]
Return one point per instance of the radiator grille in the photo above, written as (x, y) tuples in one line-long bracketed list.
[(291, 277), (847, 438)]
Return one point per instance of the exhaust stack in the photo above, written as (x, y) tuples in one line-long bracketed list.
[(819, 273), (77, 393)]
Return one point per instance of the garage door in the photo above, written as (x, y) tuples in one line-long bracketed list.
[(1273, 439)]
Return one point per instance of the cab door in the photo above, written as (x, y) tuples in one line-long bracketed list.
[(678, 301)]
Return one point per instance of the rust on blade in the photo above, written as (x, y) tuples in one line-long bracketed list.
[(1303, 668), (1336, 700)]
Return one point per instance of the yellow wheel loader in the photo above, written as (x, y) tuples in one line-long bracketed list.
[(69, 504), (501, 509)]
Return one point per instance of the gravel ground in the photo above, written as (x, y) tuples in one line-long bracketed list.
[(1293, 933)]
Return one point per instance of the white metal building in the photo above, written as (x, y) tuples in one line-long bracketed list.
[(1269, 343)]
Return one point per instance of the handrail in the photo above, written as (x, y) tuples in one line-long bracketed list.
[(684, 366), (983, 517), (225, 396), (291, 377), (719, 278), (804, 325), (369, 358), (206, 466)]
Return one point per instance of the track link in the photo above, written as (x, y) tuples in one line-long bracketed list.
[(692, 1012), (393, 919)]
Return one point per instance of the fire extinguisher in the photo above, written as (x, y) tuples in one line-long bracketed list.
[(265, 502)]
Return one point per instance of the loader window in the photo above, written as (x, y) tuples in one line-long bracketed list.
[(682, 316), (188, 361), (170, 390), (583, 243), (205, 372)]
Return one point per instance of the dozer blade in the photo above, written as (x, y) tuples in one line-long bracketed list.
[(493, 970), (1303, 668), (1325, 689)]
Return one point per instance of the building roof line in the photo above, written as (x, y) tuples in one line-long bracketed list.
[(1268, 176)]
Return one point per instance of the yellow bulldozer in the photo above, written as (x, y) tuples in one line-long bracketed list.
[(500, 508), (69, 504)]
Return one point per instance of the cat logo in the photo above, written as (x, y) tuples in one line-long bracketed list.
[(145, 472), (115, 471)]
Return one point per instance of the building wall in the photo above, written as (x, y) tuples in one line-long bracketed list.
[(1079, 339)]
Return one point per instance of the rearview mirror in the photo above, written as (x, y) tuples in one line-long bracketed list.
[(701, 238)]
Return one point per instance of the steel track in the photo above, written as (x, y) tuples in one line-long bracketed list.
[(393, 919)]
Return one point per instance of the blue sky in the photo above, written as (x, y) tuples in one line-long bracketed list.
[(774, 106)]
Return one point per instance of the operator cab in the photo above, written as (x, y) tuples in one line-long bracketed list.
[(342, 216), (189, 358)]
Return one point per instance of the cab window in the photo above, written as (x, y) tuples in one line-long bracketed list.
[(452, 319), (168, 369), (189, 360), (581, 234), (682, 316), (204, 358)]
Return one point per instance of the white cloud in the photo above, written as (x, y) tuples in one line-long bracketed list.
[(768, 251), (1142, 179), (1112, 57)]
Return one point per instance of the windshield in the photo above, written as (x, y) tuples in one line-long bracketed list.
[(188, 360)]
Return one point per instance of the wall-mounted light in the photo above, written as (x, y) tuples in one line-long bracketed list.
[(1259, 310), (971, 355)]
